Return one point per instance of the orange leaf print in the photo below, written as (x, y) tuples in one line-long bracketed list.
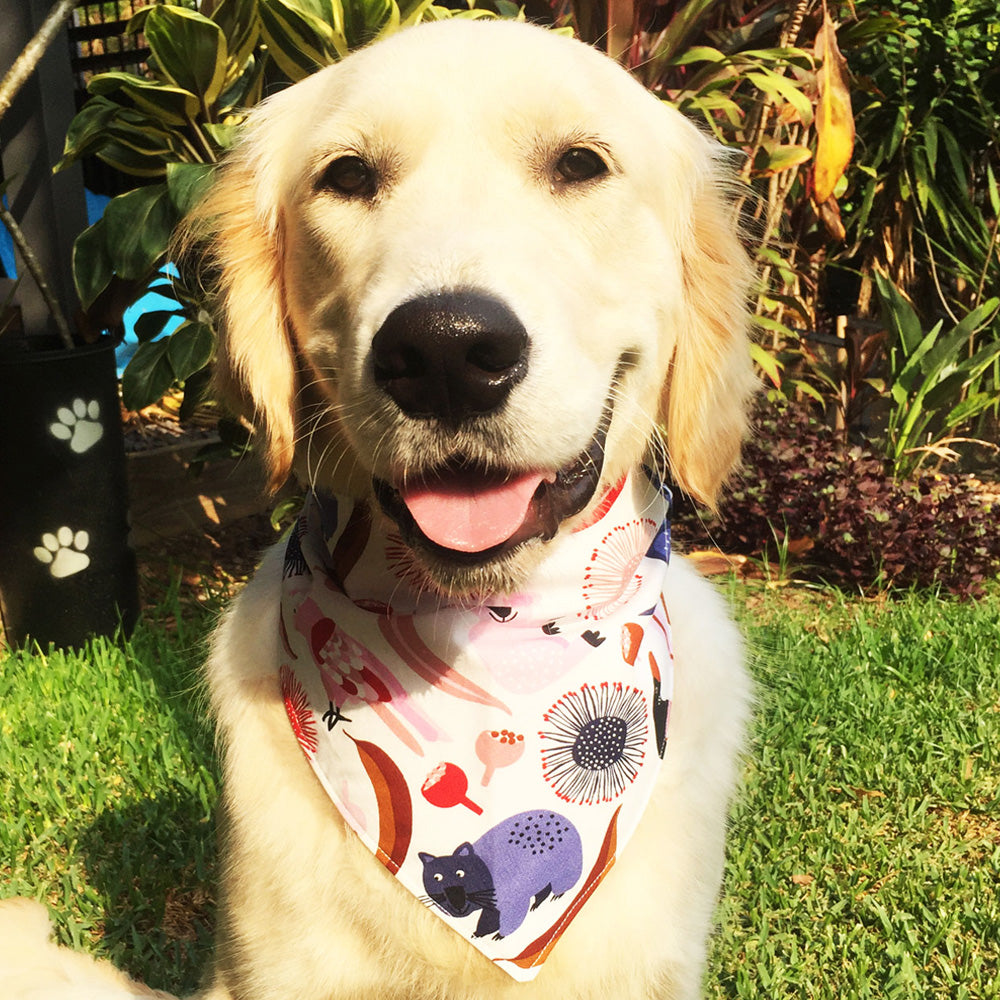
[(395, 810)]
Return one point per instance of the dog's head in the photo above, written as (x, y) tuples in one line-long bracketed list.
[(472, 269)]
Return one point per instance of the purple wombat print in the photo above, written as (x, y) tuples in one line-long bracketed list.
[(515, 865)]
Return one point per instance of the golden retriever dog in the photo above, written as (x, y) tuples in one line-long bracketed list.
[(473, 281)]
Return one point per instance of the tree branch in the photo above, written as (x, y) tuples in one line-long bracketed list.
[(35, 270), (25, 63)]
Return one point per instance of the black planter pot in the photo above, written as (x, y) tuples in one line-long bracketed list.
[(66, 569)]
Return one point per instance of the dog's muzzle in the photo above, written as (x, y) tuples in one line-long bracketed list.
[(452, 357)]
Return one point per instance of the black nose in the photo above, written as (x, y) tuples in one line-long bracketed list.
[(451, 355)]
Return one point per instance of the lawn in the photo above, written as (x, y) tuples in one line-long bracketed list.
[(865, 845)]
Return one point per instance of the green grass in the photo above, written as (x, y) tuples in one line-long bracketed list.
[(865, 848), (864, 851), (108, 783)]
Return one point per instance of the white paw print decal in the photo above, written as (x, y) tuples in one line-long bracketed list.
[(79, 425), (64, 551)]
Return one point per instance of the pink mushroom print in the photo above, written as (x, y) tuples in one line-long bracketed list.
[(498, 748), (446, 786)]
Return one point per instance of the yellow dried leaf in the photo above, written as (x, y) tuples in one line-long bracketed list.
[(834, 119)]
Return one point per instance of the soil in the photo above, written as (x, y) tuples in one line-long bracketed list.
[(206, 566), (160, 425)]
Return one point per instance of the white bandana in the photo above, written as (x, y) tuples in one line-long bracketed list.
[(495, 755)]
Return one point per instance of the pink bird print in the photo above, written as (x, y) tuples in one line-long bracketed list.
[(352, 673)]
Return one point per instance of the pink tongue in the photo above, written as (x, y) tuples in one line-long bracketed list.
[(468, 515)]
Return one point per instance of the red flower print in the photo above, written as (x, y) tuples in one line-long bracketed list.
[(299, 713)]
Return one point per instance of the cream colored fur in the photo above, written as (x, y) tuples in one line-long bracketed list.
[(33, 968), (466, 120)]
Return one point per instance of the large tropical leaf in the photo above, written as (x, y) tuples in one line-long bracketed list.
[(188, 183), (148, 375), (192, 345), (168, 104), (138, 226), (299, 40), (189, 49), (92, 266)]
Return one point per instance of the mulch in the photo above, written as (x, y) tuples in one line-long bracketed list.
[(207, 565)]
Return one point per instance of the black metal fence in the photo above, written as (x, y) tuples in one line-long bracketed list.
[(99, 43)]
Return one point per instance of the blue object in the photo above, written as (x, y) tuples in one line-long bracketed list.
[(96, 204), (7, 251)]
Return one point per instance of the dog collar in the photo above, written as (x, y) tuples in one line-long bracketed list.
[(494, 754)]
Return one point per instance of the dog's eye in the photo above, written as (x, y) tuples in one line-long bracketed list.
[(350, 176), (579, 163)]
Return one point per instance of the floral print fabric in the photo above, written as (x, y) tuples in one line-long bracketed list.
[(494, 754)]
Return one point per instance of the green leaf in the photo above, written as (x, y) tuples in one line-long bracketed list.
[(286, 510), (222, 135), (959, 336), (168, 104), (781, 158), (92, 267), (809, 390), (781, 88), (922, 181), (901, 316), (138, 226), (931, 143), (192, 345), (299, 41), (767, 363), (968, 408), (956, 158), (778, 56), (188, 183), (413, 12), (364, 19), (86, 130), (243, 90), (993, 189), (896, 133), (238, 21), (150, 324), (915, 363), (697, 53), (197, 390), (391, 24), (148, 375), (135, 141), (680, 33), (189, 49), (124, 157)]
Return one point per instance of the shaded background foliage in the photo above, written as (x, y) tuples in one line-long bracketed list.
[(822, 511)]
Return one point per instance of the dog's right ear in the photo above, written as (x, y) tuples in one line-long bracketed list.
[(239, 226)]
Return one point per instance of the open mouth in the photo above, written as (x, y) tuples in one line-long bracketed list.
[(464, 513)]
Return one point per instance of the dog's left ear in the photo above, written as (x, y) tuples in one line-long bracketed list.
[(705, 401)]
